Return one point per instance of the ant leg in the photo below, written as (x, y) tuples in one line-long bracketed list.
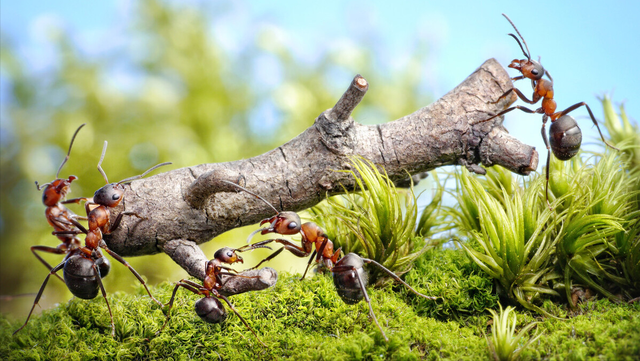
[(76, 200), (48, 250), (238, 314), (288, 245), (272, 256), (116, 223), (546, 143), (593, 119), (173, 295), (44, 284), (251, 247), (135, 273), (313, 255), (516, 78), (104, 295), (64, 222), (524, 109), (366, 295), (366, 260), (535, 98)]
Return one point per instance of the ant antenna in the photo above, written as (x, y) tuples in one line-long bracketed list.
[(250, 192), (126, 180), (40, 186), (69, 151), (528, 53), (104, 150), (130, 179)]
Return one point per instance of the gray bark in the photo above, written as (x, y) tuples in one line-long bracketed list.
[(188, 206)]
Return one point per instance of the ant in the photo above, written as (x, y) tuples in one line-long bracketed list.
[(58, 216), (565, 136), (82, 271), (288, 223), (209, 308), (349, 275)]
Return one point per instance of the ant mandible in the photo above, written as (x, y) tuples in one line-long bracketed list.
[(58, 216), (565, 136), (209, 308), (349, 276), (288, 223), (82, 270)]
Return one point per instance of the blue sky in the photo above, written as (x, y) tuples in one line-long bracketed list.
[(588, 46)]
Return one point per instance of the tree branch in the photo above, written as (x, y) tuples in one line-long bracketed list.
[(189, 206)]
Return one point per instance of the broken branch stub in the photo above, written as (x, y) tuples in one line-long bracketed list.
[(189, 206)]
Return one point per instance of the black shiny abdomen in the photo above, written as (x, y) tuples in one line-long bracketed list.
[(565, 137), (211, 310), (345, 280), (104, 266), (80, 277)]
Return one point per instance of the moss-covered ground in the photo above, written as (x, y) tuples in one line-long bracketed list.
[(306, 320)]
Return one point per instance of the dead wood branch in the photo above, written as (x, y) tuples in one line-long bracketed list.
[(189, 206)]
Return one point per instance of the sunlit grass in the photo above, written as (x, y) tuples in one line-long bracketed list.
[(511, 239), (505, 344), (379, 221)]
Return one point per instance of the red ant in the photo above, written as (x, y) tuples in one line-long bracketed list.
[(209, 308), (564, 133), (288, 223), (82, 270), (349, 276), (58, 216)]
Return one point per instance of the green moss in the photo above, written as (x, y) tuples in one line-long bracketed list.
[(306, 320)]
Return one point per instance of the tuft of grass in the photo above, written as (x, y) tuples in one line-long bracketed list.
[(511, 238), (505, 344), (379, 221)]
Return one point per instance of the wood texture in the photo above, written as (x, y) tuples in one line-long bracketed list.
[(188, 206)]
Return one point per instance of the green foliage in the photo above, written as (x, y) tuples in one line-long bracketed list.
[(504, 344), (588, 236), (513, 234), (462, 288), (622, 133), (378, 221), (306, 320)]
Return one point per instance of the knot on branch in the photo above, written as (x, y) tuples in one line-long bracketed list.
[(336, 124), (209, 183)]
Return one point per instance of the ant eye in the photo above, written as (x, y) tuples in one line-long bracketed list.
[(229, 254), (534, 72), (292, 225), (115, 197)]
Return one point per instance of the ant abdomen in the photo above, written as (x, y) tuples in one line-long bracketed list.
[(104, 266), (565, 137), (80, 277), (346, 280), (211, 310)]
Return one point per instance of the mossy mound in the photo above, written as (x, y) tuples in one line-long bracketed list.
[(306, 320)]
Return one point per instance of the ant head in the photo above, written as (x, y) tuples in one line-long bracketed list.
[(109, 195), (227, 255), (283, 223), (532, 70), (56, 190)]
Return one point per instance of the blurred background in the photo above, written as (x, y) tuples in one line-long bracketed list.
[(211, 81)]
